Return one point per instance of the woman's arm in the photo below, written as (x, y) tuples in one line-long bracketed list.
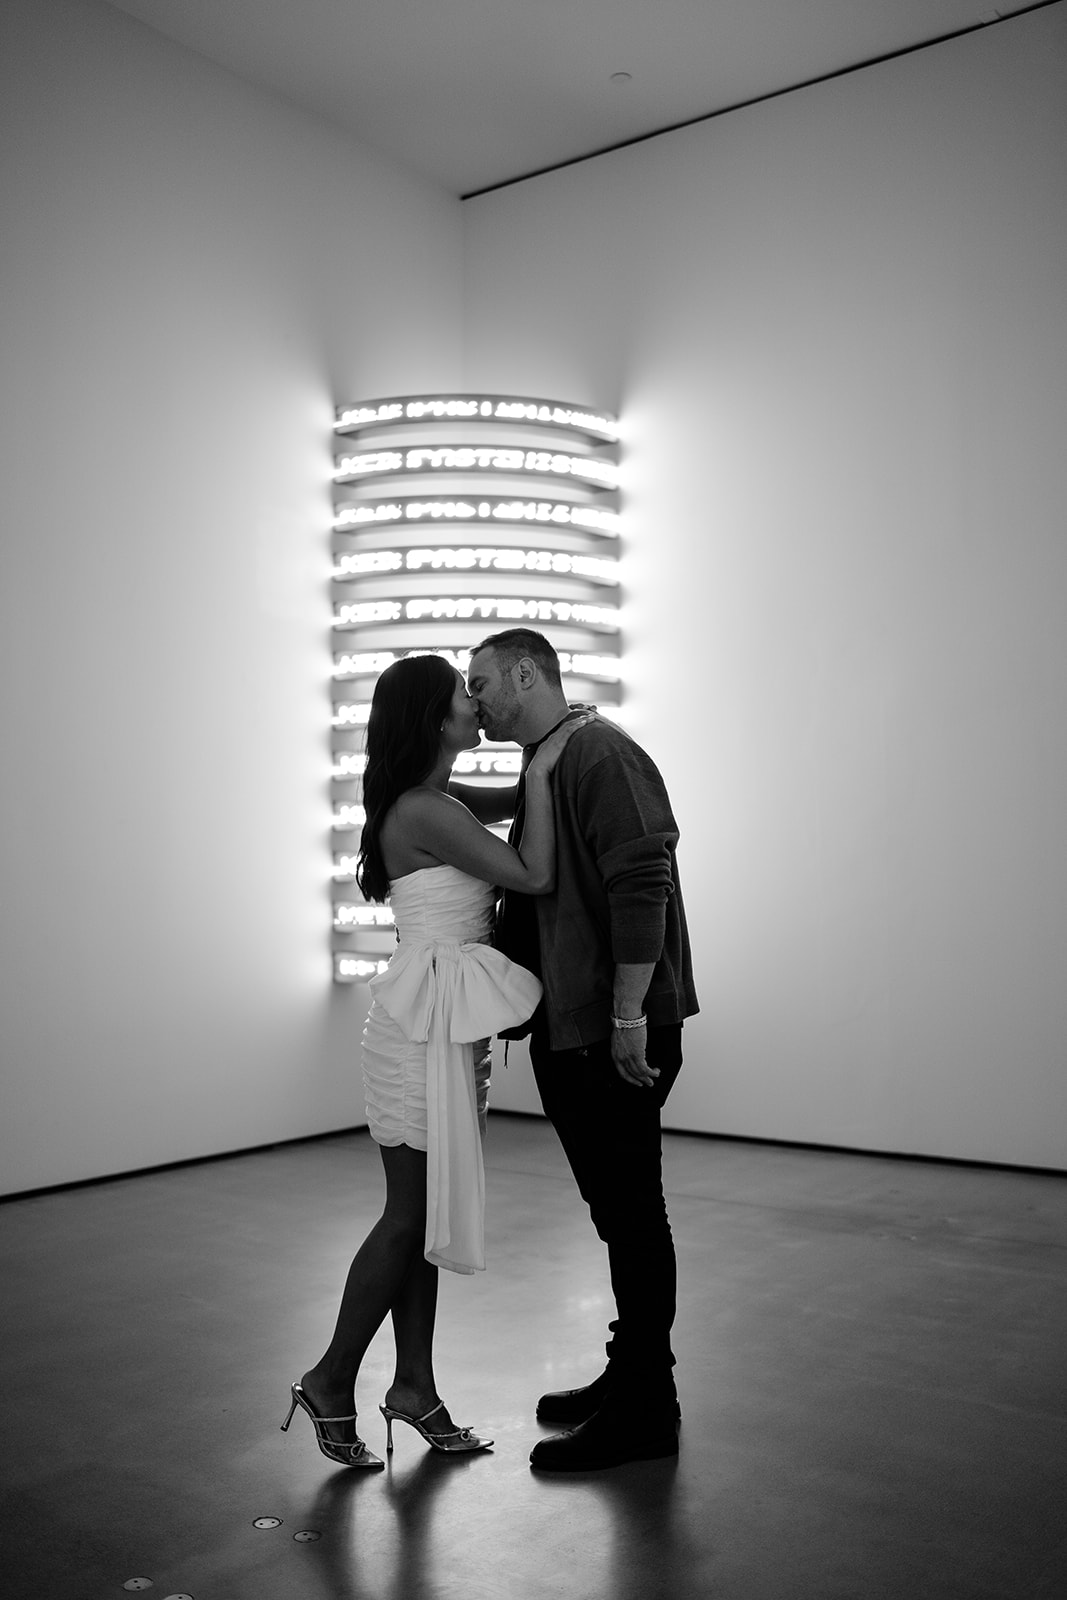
[(491, 803), (443, 828), (446, 833)]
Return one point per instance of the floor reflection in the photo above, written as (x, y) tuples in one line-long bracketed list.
[(415, 1493), (376, 1558), (646, 1544), (334, 1513)]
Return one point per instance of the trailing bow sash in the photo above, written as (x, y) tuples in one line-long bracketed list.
[(448, 995)]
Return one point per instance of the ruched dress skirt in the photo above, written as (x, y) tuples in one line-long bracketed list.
[(426, 1046)]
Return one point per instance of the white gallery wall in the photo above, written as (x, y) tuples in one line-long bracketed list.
[(835, 325), (191, 274)]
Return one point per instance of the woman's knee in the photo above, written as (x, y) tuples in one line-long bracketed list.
[(400, 1232)]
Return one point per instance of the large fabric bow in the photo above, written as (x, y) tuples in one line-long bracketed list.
[(450, 995)]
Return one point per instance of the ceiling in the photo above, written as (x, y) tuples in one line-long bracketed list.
[(473, 93)]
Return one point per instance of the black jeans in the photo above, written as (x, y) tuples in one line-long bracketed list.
[(610, 1131)]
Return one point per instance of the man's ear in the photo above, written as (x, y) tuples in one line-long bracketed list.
[(525, 673)]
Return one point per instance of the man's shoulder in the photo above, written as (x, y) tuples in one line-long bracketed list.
[(602, 737), (603, 745)]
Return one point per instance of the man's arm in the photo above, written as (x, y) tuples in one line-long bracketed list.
[(490, 803), (630, 828)]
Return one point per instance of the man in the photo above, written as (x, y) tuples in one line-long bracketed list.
[(611, 948)]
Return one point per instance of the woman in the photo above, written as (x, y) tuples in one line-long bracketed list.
[(425, 1050)]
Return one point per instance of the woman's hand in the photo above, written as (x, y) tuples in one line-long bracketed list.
[(544, 762)]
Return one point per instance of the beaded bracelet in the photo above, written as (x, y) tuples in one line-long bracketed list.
[(629, 1022)]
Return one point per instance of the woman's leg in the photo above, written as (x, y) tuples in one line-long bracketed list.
[(413, 1390), (414, 1309), (378, 1279)]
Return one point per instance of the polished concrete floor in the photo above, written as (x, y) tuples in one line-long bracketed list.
[(872, 1367)]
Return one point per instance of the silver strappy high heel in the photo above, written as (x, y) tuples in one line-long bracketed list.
[(355, 1454), (456, 1442)]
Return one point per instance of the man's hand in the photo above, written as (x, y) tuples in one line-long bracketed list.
[(628, 1054), (628, 1044)]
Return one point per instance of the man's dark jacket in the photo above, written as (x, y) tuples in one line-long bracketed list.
[(617, 895)]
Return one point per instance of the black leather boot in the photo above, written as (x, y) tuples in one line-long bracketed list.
[(610, 1438), (573, 1407), (569, 1407)]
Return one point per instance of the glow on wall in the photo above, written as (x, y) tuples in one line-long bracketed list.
[(458, 515)]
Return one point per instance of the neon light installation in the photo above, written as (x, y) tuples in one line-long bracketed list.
[(428, 571), (467, 407), (409, 509)]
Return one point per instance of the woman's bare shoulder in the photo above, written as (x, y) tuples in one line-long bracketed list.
[(424, 802), (423, 811)]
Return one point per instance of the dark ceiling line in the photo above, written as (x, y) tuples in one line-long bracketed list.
[(759, 99)]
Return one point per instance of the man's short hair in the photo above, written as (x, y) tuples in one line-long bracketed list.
[(513, 643)]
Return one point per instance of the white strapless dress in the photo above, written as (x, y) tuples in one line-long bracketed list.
[(425, 1046)]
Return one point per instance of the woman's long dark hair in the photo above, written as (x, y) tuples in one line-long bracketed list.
[(411, 700)]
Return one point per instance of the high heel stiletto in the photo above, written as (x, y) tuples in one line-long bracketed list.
[(456, 1442), (355, 1454)]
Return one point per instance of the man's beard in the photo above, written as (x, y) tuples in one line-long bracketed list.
[(501, 722)]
